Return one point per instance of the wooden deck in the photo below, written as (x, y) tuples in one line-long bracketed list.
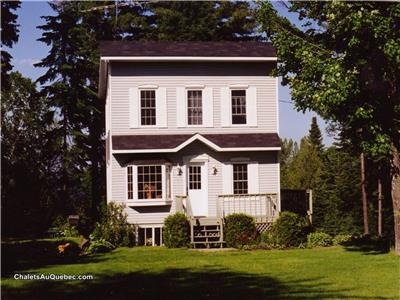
[(208, 232)]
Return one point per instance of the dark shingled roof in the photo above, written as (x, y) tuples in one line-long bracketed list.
[(146, 142), (200, 49)]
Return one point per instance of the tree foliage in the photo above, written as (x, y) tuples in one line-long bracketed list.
[(344, 63), (28, 159), (9, 36)]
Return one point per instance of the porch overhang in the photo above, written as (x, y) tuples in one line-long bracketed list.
[(174, 143)]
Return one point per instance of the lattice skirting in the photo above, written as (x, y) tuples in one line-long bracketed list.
[(263, 227)]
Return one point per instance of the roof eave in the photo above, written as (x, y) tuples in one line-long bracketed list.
[(189, 58)]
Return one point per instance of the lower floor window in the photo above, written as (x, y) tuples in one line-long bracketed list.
[(240, 184), (149, 182), (151, 236)]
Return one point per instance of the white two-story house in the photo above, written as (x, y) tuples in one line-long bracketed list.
[(190, 127)]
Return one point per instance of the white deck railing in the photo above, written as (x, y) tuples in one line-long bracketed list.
[(263, 207)]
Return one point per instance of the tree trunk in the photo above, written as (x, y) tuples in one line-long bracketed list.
[(396, 196), (379, 204), (364, 196)]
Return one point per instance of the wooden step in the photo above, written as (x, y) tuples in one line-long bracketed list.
[(206, 221)]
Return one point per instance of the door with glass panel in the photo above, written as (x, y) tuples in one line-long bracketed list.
[(197, 188)]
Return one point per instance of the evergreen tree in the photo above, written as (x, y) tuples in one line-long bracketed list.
[(337, 208), (305, 168), (315, 136), (9, 36), (203, 21), (289, 150)]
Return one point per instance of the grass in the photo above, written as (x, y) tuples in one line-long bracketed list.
[(159, 273)]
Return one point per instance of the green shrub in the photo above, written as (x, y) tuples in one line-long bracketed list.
[(62, 228), (319, 239), (290, 230), (99, 246), (176, 231), (341, 239), (114, 228), (240, 230)]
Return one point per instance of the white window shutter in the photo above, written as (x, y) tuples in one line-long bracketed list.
[(161, 107), (208, 115), (251, 106), (226, 114), (180, 107), (227, 178), (134, 108), (252, 175)]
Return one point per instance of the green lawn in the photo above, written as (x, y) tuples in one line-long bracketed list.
[(159, 273)]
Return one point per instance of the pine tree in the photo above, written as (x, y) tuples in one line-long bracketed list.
[(203, 21), (9, 36), (337, 208), (315, 136), (305, 168)]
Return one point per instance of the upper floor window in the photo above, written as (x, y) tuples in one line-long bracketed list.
[(239, 107), (240, 181), (195, 107), (148, 107)]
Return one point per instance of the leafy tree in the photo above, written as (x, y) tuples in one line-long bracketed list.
[(314, 135), (345, 65), (9, 36), (27, 158)]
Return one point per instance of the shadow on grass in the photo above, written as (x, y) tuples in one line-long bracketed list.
[(207, 283), (31, 254), (368, 245)]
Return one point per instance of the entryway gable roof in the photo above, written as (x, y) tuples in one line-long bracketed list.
[(174, 143)]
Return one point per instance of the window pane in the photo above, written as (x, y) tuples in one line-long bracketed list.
[(195, 108), (130, 183), (240, 185), (195, 177), (239, 107), (149, 182), (148, 107)]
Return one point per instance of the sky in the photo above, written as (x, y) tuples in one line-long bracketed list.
[(292, 124)]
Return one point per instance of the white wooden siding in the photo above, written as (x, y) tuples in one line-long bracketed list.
[(268, 180), (263, 87)]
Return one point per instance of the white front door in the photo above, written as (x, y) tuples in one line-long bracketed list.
[(197, 188)]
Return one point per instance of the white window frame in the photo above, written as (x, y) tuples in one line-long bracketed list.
[(193, 89), (253, 180), (251, 105), (230, 102), (154, 201), (140, 89), (233, 177)]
